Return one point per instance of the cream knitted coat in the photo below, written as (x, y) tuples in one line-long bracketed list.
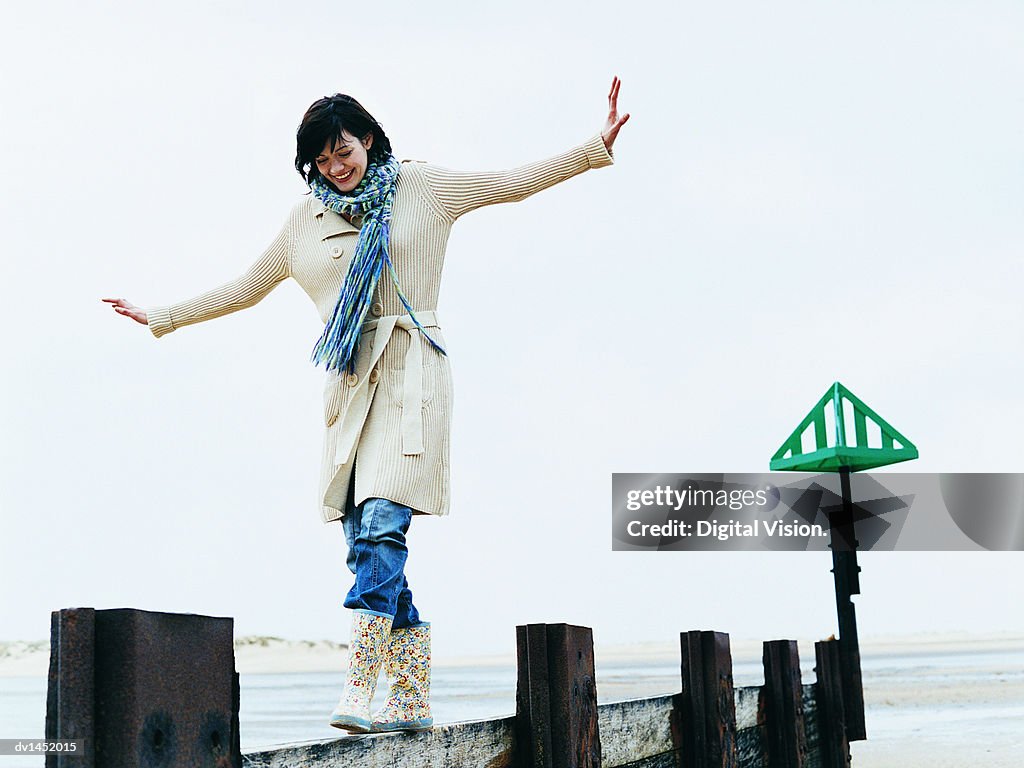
[(396, 452)]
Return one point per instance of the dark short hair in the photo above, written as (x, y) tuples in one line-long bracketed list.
[(324, 121)]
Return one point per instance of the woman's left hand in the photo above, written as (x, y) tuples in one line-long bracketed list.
[(614, 122)]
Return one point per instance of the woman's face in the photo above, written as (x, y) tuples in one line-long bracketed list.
[(343, 164)]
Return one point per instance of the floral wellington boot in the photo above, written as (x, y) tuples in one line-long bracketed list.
[(407, 663), (370, 633)]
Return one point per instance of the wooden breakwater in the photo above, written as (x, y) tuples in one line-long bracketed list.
[(160, 691), (558, 723)]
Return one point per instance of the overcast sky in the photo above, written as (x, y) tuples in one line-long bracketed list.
[(806, 192)]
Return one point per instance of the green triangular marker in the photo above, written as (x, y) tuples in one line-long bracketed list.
[(833, 451)]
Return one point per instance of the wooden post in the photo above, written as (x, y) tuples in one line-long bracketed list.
[(533, 708), (708, 716), (556, 697), (70, 709), (143, 688), (782, 704), (833, 747)]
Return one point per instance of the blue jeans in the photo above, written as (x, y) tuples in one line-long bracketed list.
[(375, 531)]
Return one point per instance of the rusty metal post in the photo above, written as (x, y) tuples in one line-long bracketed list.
[(782, 704), (556, 697), (157, 690), (708, 717)]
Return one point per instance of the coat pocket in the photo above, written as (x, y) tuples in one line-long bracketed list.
[(394, 384)]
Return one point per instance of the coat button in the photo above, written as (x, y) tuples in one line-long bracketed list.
[(374, 375), (352, 379), (377, 309), (337, 252)]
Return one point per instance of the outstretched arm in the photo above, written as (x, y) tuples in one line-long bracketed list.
[(459, 192), (245, 291)]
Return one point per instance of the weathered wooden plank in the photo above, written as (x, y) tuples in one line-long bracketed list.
[(750, 739), (811, 727), (782, 697), (641, 728), (750, 736), (833, 747), (747, 700), (665, 760), (637, 733), (476, 744), (707, 703), (750, 748), (637, 729)]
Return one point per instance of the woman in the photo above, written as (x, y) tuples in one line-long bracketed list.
[(368, 247)]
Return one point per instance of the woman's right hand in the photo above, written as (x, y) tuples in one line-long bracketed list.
[(127, 309), (614, 122)]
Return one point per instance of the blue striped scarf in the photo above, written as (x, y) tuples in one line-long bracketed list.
[(372, 199)]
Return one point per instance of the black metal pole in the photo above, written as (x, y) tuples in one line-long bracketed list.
[(845, 571)]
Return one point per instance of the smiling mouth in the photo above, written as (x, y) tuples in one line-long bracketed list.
[(346, 177)]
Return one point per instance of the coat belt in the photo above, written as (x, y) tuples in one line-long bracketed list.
[(412, 385)]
